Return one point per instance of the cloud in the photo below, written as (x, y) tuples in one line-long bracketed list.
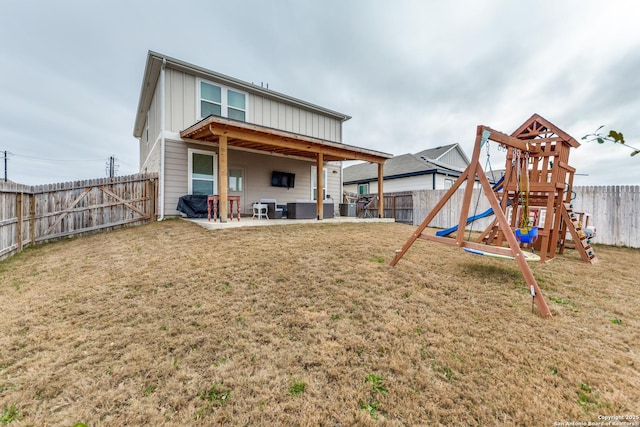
[(412, 74)]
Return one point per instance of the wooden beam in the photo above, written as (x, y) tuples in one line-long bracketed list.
[(298, 144), (319, 186), (468, 190), (509, 141), (67, 211), (223, 172), (257, 134), (400, 253), (380, 190), (513, 243), (121, 200)]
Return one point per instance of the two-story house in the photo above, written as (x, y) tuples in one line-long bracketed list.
[(207, 133)]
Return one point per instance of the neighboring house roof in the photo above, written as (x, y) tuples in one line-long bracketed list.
[(403, 166), (438, 152), (152, 75)]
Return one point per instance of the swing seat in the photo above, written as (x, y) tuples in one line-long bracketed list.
[(527, 235)]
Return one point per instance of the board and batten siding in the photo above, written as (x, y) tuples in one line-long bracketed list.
[(257, 179), (180, 111), (454, 158), (274, 114), (147, 147), (180, 100)]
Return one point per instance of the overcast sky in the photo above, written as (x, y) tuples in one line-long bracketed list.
[(412, 74)]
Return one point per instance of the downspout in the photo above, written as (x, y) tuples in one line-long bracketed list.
[(162, 141), (341, 185)]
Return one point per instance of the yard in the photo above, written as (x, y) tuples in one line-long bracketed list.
[(170, 324)]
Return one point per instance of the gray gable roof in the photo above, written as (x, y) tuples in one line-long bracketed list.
[(401, 166), (436, 153)]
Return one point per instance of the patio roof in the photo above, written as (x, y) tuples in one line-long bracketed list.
[(250, 136)]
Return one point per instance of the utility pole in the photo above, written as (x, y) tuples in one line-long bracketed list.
[(5, 166), (111, 168)]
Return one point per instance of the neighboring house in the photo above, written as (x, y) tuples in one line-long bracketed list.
[(207, 133), (432, 169)]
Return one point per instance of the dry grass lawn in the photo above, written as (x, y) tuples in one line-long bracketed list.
[(170, 324)]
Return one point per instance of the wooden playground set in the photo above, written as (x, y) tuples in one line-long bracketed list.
[(531, 202)]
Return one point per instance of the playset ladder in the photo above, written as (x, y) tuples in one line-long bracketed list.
[(577, 234)]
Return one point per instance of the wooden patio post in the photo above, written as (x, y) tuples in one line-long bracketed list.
[(380, 190), (319, 186), (224, 178)]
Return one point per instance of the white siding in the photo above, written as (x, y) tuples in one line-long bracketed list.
[(422, 182), (454, 158), (351, 188), (152, 159), (180, 113), (180, 100), (175, 172), (273, 114), (147, 146)]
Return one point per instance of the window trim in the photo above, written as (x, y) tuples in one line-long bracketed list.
[(324, 178), (190, 153), (242, 181), (363, 185), (224, 99)]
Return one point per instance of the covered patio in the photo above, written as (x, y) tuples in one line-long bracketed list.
[(228, 134)]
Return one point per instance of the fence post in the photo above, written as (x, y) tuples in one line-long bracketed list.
[(393, 207), (19, 223), (151, 192), (32, 219)]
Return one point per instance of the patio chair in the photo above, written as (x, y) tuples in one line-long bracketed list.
[(273, 210), (366, 206), (260, 210)]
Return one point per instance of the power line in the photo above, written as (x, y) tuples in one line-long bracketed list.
[(54, 160)]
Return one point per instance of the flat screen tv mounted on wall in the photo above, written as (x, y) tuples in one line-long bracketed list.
[(283, 179)]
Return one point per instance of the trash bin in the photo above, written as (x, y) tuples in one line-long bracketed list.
[(347, 209)]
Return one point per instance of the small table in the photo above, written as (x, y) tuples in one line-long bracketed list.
[(214, 199)]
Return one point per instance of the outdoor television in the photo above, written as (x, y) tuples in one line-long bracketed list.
[(283, 179)]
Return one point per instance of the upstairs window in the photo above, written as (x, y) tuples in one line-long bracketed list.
[(210, 100), (221, 101), (236, 105)]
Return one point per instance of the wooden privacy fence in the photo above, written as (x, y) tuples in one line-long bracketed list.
[(33, 214), (396, 205), (613, 210)]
